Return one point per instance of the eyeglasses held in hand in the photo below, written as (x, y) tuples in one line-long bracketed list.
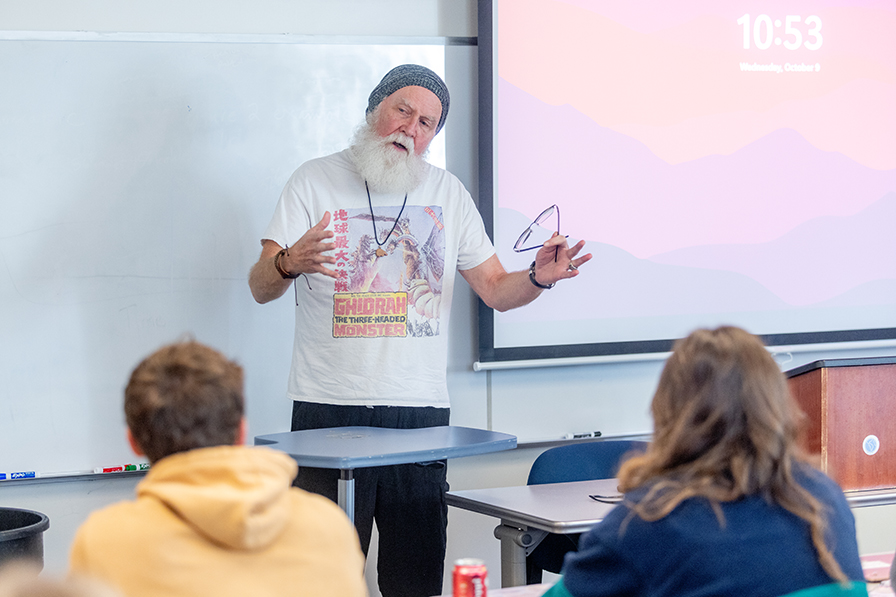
[(520, 245)]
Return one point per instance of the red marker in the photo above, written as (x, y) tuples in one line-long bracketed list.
[(144, 466)]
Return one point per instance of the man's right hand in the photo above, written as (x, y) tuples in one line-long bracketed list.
[(305, 256)]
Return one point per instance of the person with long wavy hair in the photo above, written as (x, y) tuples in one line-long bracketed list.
[(724, 501)]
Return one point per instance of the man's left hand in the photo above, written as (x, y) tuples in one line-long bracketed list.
[(567, 264)]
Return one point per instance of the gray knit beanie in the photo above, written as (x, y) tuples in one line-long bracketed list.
[(408, 75)]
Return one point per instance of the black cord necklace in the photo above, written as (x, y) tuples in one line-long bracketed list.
[(380, 252)]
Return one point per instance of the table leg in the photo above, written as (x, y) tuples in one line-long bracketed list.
[(345, 488), (516, 544)]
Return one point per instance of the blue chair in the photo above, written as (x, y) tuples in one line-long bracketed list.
[(575, 462)]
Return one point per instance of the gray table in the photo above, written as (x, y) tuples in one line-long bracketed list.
[(348, 448), (529, 512)]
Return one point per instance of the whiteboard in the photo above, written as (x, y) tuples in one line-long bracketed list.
[(136, 178)]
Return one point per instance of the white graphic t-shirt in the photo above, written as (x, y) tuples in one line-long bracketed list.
[(378, 334)]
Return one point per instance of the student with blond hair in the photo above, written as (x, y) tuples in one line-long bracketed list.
[(212, 517), (723, 502)]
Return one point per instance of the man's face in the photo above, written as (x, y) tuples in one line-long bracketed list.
[(413, 111)]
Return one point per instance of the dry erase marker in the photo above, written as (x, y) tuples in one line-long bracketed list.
[(123, 468), (63, 474), (2, 476), (23, 475), (582, 435)]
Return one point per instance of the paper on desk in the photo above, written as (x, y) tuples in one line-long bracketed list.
[(876, 566)]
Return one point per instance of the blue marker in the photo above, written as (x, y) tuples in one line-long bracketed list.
[(2, 476), (23, 475)]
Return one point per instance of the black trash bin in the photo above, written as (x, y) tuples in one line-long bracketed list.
[(22, 535)]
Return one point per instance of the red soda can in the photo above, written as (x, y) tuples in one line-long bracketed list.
[(470, 578)]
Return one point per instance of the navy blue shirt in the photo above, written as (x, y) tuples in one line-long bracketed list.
[(761, 551)]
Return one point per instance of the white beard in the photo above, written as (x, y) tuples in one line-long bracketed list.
[(385, 169)]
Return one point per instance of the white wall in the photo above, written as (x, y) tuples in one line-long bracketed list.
[(621, 391)]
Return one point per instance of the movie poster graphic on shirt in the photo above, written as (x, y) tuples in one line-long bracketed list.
[(389, 285)]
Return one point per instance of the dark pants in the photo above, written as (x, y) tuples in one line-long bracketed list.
[(406, 500), (549, 556)]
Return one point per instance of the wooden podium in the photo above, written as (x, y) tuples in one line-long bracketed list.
[(851, 407)]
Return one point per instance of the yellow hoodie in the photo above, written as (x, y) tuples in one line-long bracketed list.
[(222, 521)]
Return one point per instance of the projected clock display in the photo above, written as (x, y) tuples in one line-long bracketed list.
[(788, 32)]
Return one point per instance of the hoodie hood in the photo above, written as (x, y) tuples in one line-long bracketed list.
[(237, 496)]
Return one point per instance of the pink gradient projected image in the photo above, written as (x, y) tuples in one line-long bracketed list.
[(727, 162)]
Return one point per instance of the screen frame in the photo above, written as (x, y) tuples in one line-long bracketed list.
[(566, 354)]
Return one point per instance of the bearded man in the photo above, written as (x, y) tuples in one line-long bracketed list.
[(379, 233)]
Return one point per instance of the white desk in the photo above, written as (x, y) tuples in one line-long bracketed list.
[(529, 512), (525, 591), (348, 448)]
